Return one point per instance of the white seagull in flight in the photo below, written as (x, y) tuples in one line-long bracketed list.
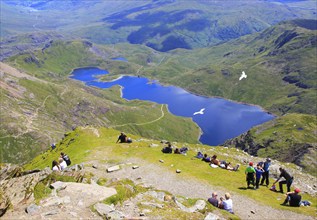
[(200, 112), (243, 75)]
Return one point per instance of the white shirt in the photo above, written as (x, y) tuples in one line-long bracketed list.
[(63, 165), (227, 205), (55, 168)]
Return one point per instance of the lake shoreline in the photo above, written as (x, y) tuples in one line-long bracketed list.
[(224, 119), (163, 84)]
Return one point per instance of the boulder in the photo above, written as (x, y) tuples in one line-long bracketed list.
[(32, 209), (87, 194), (102, 209), (4, 203), (211, 216), (113, 168), (58, 185), (200, 205)]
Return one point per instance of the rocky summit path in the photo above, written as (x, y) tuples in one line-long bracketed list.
[(83, 200), (163, 179)]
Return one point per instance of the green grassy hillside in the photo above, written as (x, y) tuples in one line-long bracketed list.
[(290, 138), (82, 145), (36, 113), (265, 57), (280, 78)]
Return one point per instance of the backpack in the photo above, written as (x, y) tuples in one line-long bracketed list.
[(67, 160)]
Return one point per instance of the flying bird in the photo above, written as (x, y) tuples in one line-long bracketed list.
[(200, 112), (243, 75)]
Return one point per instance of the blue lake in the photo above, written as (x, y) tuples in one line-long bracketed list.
[(222, 119), (120, 59)]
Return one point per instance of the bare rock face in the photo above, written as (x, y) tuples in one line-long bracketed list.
[(18, 186), (4, 203)]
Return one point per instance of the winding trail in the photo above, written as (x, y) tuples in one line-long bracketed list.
[(145, 123)]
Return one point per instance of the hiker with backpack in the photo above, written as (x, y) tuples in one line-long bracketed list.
[(66, 158)]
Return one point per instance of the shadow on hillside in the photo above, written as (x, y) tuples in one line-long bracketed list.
[(243, 188)]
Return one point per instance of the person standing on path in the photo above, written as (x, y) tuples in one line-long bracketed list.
[(288, 180), (266, 173)]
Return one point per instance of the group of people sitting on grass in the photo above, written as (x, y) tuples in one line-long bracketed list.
[(169, 149), (214, 162), (224, 203), (63, 162)]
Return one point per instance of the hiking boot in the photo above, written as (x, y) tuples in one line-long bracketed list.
[(236, 167)]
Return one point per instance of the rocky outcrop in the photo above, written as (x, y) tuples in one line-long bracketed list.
[(88, 200), (19, 44), (17, 186), (246, 143)]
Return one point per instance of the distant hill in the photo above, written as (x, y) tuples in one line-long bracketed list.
[(280, 63), (161, 25)]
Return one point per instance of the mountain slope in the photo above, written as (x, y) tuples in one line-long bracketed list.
[(280, 78), (162, 25), (290, 138), (196, 177), (37, 112)]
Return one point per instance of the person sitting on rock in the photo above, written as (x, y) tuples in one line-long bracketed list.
[(213, 200), (55, 166), (168, 149), (293, 198), (226, 203), (250, 174), (62, 163)]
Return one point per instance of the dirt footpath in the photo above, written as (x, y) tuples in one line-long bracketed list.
[(160, 178)]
